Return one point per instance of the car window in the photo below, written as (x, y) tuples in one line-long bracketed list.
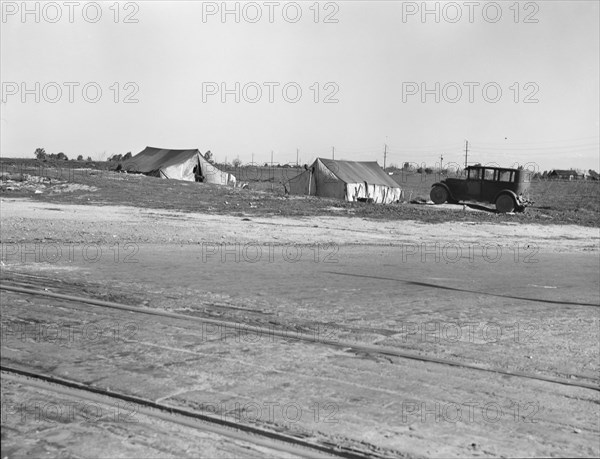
[(489, 174), (474, 174), (505, 176)]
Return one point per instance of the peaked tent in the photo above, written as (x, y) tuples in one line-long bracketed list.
[(349, 180), (177, 165)]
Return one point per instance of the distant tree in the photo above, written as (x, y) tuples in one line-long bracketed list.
[(420, 170), (266, 165), (40, 153), (428, 170), (127, 155), (80, 158), (237, 162), (89, 158), (209, 156), (115, 158), (406, 166), (61, 156)]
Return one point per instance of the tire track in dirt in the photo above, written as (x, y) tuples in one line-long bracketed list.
[(346, 345)]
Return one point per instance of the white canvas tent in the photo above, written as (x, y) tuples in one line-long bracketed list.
[(348, 180), (178, 165)]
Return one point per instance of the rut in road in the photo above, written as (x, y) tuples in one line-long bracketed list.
[(267, 438), (346, 345)]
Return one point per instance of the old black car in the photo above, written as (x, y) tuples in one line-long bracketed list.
[(506, 188)]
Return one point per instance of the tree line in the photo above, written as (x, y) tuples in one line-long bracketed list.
[(41, 154)]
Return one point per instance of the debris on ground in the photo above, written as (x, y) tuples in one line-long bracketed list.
[(39, 184)]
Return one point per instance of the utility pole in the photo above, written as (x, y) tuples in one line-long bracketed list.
[(297, 153), (384, 154), (332, 152), (272, 171), (441, 163), (253, 159), (466, 152)]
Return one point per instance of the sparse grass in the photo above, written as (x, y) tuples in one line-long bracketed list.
[(577, 195)]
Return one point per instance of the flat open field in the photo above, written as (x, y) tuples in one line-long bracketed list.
[(341, 329), (556, 202)]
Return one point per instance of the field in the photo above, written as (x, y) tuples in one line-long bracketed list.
[(577, 195), (558, 195), (152, 318), (548, 194), (575, 202)]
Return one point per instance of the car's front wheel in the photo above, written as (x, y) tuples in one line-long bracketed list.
[(438, 194), (505, 203)]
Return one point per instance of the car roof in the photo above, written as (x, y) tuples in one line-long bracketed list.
[(493, 167)]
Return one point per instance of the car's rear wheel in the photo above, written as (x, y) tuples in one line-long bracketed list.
[(438, 194), (505, 203)]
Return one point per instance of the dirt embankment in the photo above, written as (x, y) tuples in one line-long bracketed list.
[(26, 220)]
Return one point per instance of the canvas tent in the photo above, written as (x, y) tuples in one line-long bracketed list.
[(349, 180), (177, 165)]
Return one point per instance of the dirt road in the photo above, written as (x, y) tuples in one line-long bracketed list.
[(494, 298)]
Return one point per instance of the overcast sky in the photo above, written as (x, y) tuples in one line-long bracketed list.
[(371, 59)]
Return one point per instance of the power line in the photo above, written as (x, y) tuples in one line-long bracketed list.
[(533, 152), (358, 150), (498, 151), (424, 148), (541, 142)]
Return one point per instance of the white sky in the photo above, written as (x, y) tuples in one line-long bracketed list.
[(369, 53)]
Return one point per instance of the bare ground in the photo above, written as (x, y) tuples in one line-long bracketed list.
[(515, 297)]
